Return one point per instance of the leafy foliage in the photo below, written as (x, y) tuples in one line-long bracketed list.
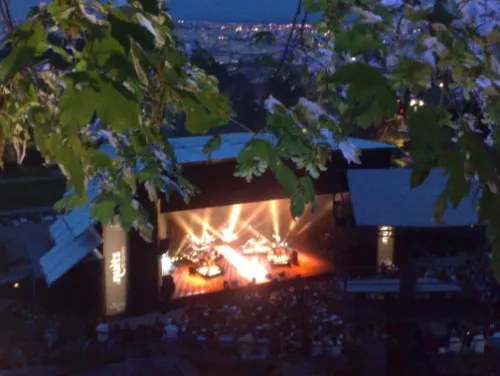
[(95, 86), (429, 75), (101, 116)]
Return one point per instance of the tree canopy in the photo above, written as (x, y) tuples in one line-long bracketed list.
[(79, 76)]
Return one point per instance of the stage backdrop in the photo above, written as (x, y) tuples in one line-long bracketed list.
[(115, 250)]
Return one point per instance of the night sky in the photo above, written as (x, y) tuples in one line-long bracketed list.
[(210, 10)]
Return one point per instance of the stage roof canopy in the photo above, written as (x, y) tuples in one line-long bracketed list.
[(385, 198), (190, 149)]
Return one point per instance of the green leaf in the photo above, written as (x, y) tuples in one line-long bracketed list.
[(357, 41), (313, 6), (29, 41), (150, 172), (101, 160), (76, 107), (128, 214), (418, 175), (287, 179), (70, 202), (113, 96), (125, 26), (488, 207), (439, 209), (370, 98), (413, 73), (259, 148), (357, 73), (308, 191), (441, 15), (129, 178), (108, 53), (104, 211), (426, 133), (213, 144), (297, 204), (136, 55), (150, 6), (457, 186), (68, 158), (60, 9), (196, 117), (101, 95)]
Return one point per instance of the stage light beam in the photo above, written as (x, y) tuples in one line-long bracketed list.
[(273, 208), (251, 270), (234, 217)]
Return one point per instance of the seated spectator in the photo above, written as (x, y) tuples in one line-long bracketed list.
[(478, 343), (171, 331), (102, 330), (51, 335), (245, 345), (316, 345), (455, 344), (261, 347)]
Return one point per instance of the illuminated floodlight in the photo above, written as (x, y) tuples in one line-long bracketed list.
[(166, 264), (228, 235)]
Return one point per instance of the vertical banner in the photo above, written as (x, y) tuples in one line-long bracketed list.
[(115, 249), (385, 245)]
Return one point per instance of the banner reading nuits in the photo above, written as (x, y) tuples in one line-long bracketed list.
[(115, 250)]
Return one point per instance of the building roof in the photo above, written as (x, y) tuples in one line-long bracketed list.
[(384, 197), (74, 238), (63, 256), (190, 149)]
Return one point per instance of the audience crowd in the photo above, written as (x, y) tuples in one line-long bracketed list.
[(301, 318)]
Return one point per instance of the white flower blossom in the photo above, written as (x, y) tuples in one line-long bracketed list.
[(434, 45), (488, 86), (429, 58), (145, 23), (367, 17), (350, 152), (314, 109), (391, 61), (493, 187), (271, 103)]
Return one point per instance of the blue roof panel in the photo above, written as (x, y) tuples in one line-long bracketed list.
[(62, 257), (190, 149), (385, 198)]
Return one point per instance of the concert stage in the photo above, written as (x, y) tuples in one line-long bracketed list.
[(188, 284), (248, 243)]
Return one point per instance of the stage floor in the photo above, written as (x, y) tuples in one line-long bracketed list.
[(188, 285)]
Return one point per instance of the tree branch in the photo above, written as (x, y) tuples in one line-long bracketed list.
[(289, 40), (5, 14)]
